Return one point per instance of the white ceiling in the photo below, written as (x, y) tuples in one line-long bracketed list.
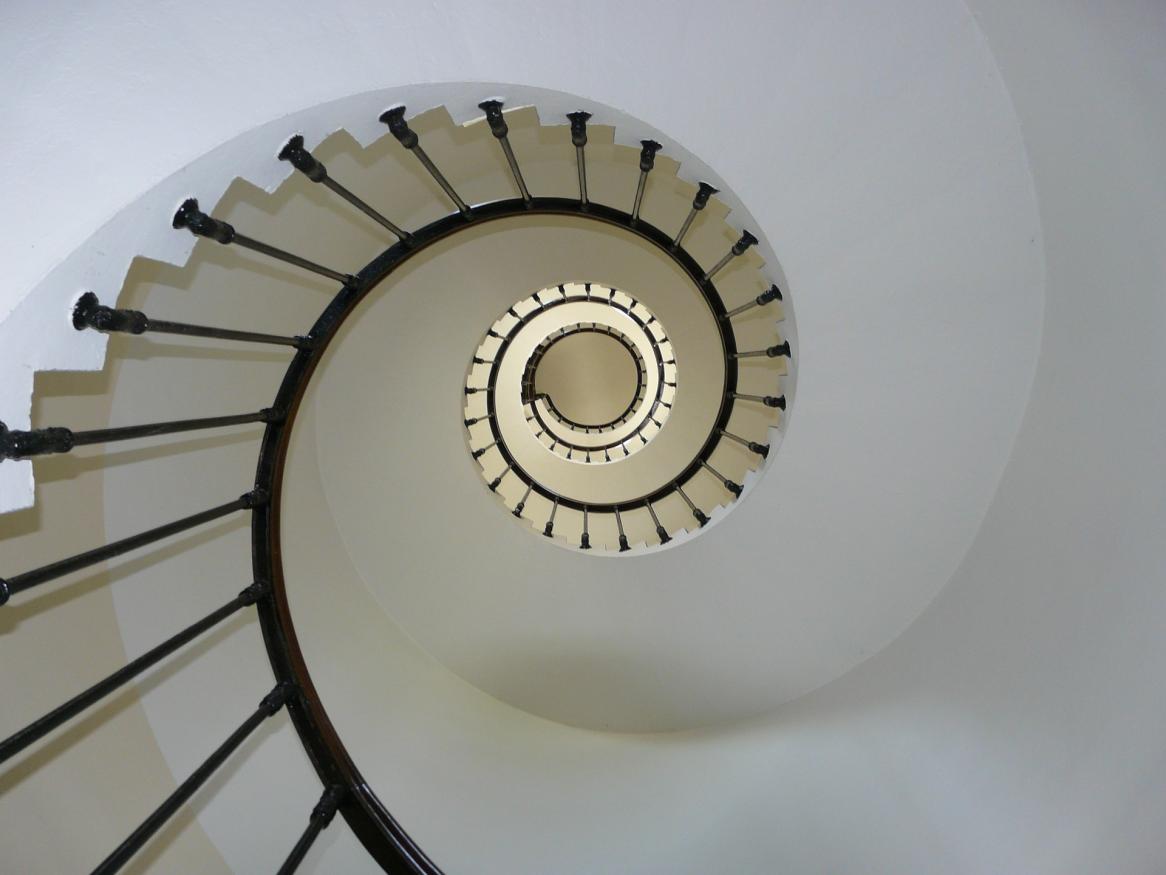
[(1017, 726)]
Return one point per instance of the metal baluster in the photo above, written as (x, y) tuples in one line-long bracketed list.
[(189, 216), (36, 730), (318, 821), (474, 420), (771, 352), (477, 454), (29, 579), (89, 312), (770, 294), (623, 539), (269, 706), (301, 159), (699, 514), (550, 526), (744, 242), (760, 449), (395, 119), (57, 439), (521, 504), (703, 192), (579, 139), (661, 532), (474, 391), (501, 131), (647, 162), (734, 488), (777, 401), (497, 481), (585, 541)]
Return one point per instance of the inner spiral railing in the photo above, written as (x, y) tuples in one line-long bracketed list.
[(343, 788)]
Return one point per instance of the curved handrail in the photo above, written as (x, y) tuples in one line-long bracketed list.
[(344, 788)]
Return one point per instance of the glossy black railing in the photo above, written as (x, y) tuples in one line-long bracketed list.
[(343, 788)]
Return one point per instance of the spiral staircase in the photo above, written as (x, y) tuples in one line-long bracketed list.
[(659, 485), (925, 637)]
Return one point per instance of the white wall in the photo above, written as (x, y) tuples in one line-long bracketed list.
[(1017, 726)]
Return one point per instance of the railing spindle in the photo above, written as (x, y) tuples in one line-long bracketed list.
[(270, 705), (13, 585), (773, 293), (497, 481), (481, 451), (36, 730), (760, 449), (407, 137), (579, 139), (585, 541), (699, 514), (89, 312), (57, 439), (501, 132), (782, 349), (734, 488), (623, 539), (549, 528), (199, 224), (703, 192), (318, 821), (777, 401), (302, 160), (521, 504), (661, 532), (744, 242), (647, 162)]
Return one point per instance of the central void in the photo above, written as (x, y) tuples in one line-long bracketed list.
[(590, 376)]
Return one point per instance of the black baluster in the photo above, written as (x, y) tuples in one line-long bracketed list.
[(777, 401), (36, 730), (585, 541), (699, 514), (301, 159), (703, 192), (760, 449), (474, 420), (318, 821), (478, 453), (661, 532), (744, 242), (89, 312), (647, 162), (29, 579), (549, 528), (782, 349), (189, 216), (734, 488), (579, 139), (407, 137), (56, 439), (770, 294), (521, 504), (623, 539), (270, 705), (501, 131), (497, 481)]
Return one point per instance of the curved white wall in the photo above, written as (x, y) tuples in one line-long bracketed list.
[(1017, 726)]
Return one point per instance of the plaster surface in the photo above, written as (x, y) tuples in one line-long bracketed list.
[(1017, 725)]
